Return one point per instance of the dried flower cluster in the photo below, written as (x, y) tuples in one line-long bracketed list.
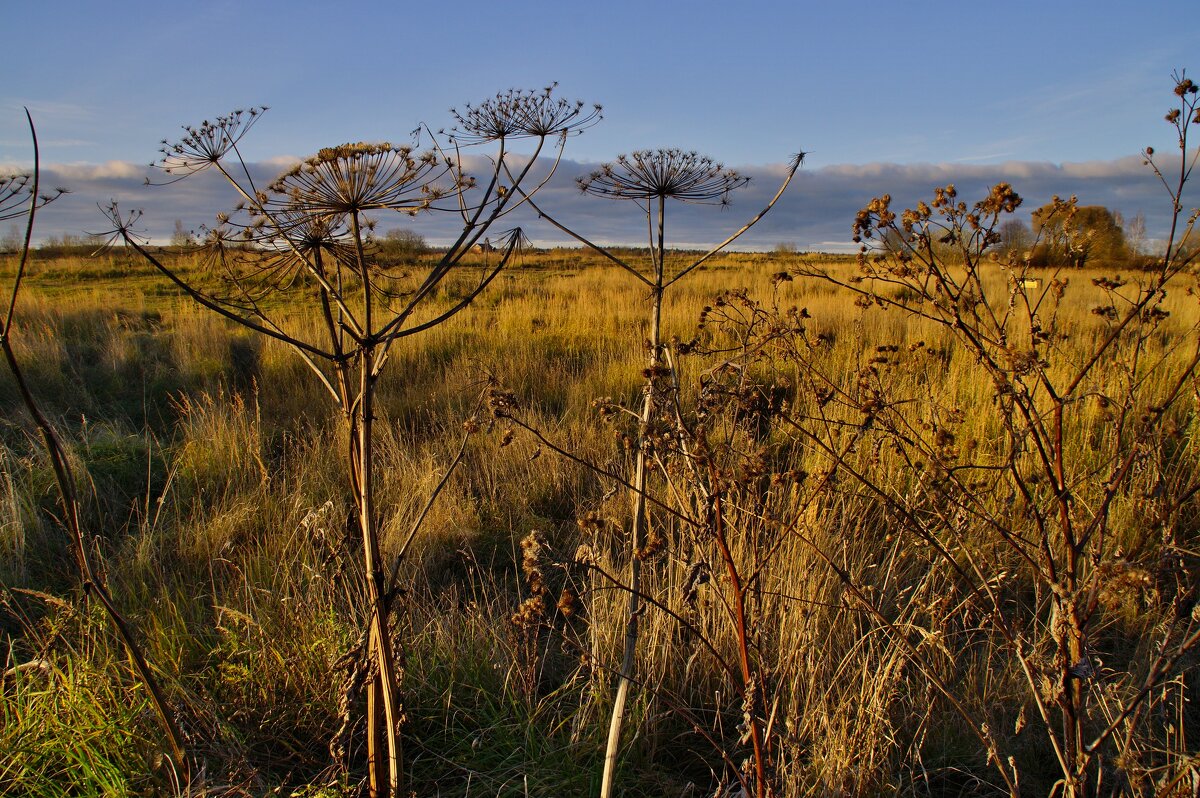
[(354, 178), (670, 173), (15, 195), (522, 114), (206, 144), (533, 550)]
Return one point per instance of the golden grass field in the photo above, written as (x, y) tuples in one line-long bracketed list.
[(212, 467)]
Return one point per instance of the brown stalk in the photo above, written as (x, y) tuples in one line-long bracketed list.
[(750, 683), (92, 583), (315, 207), (689, 178)]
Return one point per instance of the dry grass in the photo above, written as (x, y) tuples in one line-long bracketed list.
[(220, 508)]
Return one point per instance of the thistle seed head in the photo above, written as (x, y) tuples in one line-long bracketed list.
[(568, 602)]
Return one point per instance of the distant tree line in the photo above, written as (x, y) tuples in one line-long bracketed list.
[(1059, 236), (396, 245), (1065, 235), (400, 245), (62, 245)]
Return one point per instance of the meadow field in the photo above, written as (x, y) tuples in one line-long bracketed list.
[(864, 536)]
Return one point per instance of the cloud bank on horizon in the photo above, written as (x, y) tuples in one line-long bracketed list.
[(814, 214)]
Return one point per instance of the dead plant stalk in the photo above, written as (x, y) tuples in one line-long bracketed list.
[(309, 232)]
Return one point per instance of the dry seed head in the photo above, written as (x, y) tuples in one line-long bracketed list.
[(522, 114), (593, 522), (605, 407), (666, 173), (207, 143), (123, 223), (654, 545), (16, 194), (533, 548), (352, 178), (291, 231), (1001, 199), (568, 602), (529, 614), (1123, 584), (502, 403)]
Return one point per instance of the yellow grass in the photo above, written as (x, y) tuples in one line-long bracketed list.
[(225, 546)]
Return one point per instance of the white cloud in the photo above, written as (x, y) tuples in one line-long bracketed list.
[(86, 173), (281, 162)]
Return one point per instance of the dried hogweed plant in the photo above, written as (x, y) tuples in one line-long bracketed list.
[(650, 179), (1064, 521), (308, 232)]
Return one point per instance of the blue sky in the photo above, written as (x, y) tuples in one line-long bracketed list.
[(923, 93)]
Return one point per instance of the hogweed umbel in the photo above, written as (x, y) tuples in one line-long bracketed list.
[(650, 178), (16, 193), (516, 113), (356, 178), (673, 174), (310, 230), (206, 144)]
